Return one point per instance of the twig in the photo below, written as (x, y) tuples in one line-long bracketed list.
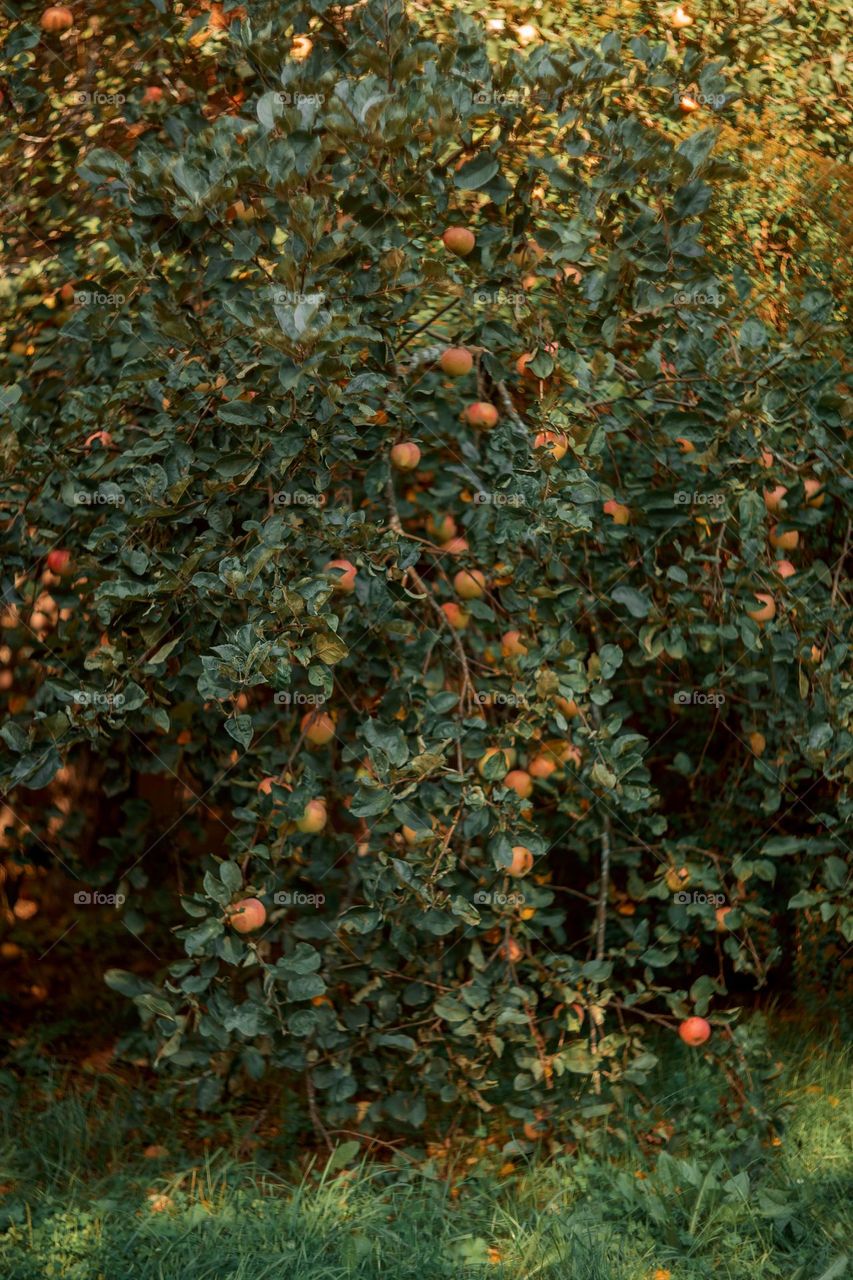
[(319, 1128), (842, 558)]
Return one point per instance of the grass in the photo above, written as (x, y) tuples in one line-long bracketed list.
[(80, 1201)]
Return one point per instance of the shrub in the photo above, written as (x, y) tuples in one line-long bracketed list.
[(265, 322)]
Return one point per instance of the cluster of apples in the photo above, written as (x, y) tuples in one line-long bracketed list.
[(781, 539)]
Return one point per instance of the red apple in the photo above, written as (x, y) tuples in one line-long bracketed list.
[(456, 616), (519, 781), (619, 513), (345, 580), (314, 817), (459, 240), (694, 1031), (552, 442), (247, 915), (57, 18), (318, 727), (59, 561), (512, 645), (470, 584), (522, 861), (767, 610), (456, 361), (405, 456), (481, 414)]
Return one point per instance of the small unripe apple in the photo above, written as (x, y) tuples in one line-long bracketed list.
[(456, 616), (152, 94), (519, 781), (619, 513), (413, 837), (456, 361), (522, 861), (512, 645), (688, 104), (314, 817), (318, 727), (405, 456), (470, 584), (685, 445), (784, 568), (786, 541), (59, 560), (511, 951), (242, 212), (765, 459), (481, 414), (553, 442), (694, 1031), (774, 497), (459, 240), (67, 292), (57, 18), (345, 579), (265, 785), (680, 19), (766, 611), (757, 743), (247, 915)]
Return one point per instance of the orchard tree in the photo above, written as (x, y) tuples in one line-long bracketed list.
[(419, 486)]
